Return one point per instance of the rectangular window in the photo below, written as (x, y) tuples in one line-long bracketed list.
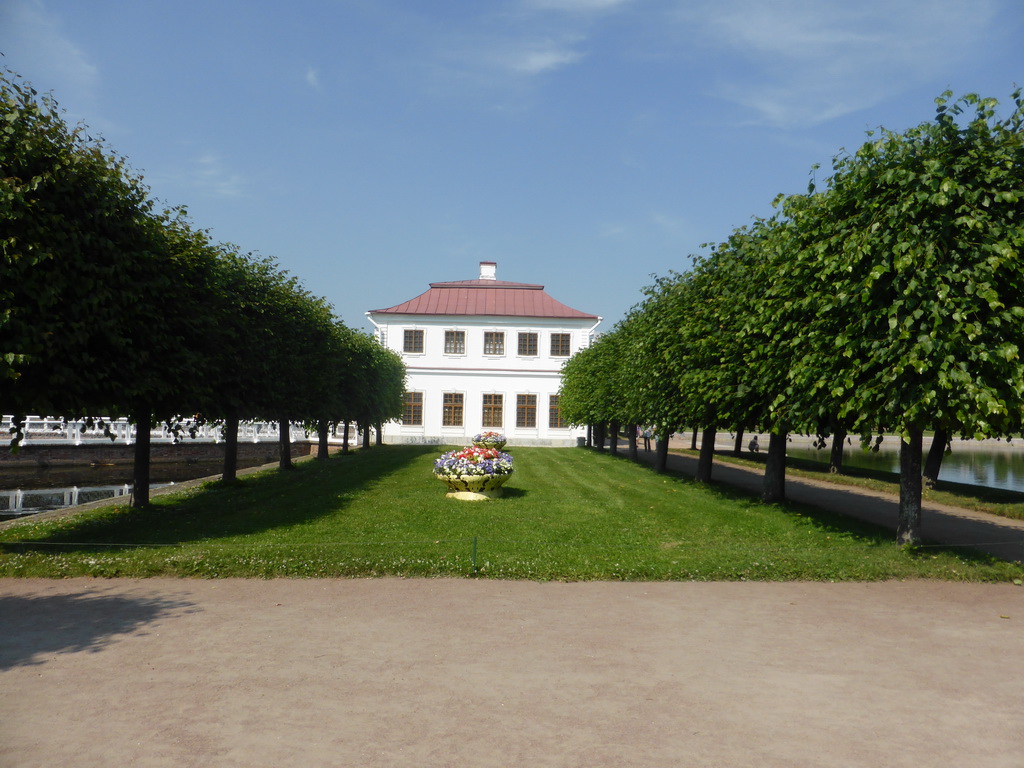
[(412, 413), (526, 411), (555, 420), (455, 342), (559, 344), (494, 343), (528, 344), (494, 406), (413, 341), (451, 414)]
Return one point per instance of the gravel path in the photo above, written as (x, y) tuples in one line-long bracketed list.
[(393, 672)]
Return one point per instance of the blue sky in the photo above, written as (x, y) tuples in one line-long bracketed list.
[(375, 146)]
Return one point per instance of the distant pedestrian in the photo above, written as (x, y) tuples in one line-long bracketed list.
[(753, 446), (647, 438)]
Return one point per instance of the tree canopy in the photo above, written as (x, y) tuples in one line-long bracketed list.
[(891, 300), (110, 305)]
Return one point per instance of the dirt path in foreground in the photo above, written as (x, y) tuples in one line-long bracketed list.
[(394, 672)]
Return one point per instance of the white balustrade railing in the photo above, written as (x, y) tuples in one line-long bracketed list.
[(26, 502), (47, 430)]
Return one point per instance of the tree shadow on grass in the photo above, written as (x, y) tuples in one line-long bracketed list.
[(254, 504), (39, 626)]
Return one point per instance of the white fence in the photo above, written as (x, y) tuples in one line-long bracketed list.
[(46, 430), (18, 502)]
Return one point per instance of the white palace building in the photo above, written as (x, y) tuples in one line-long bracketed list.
[(483, 355)]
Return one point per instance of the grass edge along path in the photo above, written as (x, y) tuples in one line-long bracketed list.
[(567, 514), (993, 501)]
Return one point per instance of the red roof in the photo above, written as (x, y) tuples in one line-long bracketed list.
[(486, 297)]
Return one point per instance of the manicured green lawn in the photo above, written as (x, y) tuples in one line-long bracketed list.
[(566, 514)]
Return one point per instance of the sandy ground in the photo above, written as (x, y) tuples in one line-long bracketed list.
[(393, 672)]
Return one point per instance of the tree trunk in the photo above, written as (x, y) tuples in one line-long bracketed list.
[(633, 452), (599, 436), (366, 436), (707, 451), (936, 453), (774, 489), (693, 439), (284, 442), (140, 466), (908, 530), (613, 430), (323, 431), (737, 449), (379, 434), (590, 435), (230, 472), (835, 459), (661, 449)]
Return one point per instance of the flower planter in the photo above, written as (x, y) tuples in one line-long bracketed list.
[(495, 444), (473, 487), (474, 473), (494, 440)]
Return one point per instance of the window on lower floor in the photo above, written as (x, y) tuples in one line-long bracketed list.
[(455, 342), (526, 411), (451, 413), (412, 411), (528, 344), (555, 420), (494, 407), (560, 345), (412, 341), (494, 343)]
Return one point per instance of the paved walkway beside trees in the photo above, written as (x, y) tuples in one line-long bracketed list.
[(439, 672), (941, 523), (364, 673)]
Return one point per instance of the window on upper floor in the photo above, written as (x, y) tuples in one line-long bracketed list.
[(528, 344), (412, 341), (451, 414), (560, 344), (412, 410), (494, 343), (455, 342)]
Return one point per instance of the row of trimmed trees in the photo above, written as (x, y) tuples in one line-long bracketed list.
[(109, 305), (890, 302)]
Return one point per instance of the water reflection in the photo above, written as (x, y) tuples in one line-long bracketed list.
[(28, 490), (999, 468), (18, 502)]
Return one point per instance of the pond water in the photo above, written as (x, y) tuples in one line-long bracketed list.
[(32, 489), (993, 468)]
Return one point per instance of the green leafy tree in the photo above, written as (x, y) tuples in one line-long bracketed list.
[(77, 244), (100, 302), (918, 286)]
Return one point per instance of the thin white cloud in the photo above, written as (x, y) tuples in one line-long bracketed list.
[(808, 61), (313, 78), (210, 176), (578, 6), (35, 46), (537, 58), (669, 224), (612, 230)]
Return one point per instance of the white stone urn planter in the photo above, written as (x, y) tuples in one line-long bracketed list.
[(473, 487)]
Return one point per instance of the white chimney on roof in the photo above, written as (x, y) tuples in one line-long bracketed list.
[(488, 270)]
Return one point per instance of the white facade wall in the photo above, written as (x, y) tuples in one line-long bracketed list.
[(435, 372)]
